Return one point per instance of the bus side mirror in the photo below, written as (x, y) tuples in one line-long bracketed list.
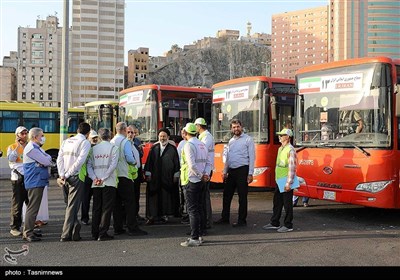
[(273, 108), (301, 106), (397, 91), (191, 108)]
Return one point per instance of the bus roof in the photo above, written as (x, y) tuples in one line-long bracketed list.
[(166, 87), (22, 106), (251, 79), (347, 62), (101, 102)]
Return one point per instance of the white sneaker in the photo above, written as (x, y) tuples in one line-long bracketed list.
[(269, 226), (201, 240), (191, 243), (15, 232), (284, 229)]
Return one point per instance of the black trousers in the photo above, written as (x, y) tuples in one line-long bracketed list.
[(194, 196), (237, 179), (87, 196), (103, 205), (19, 196), (125, 198), (282, 200), (137, 183)]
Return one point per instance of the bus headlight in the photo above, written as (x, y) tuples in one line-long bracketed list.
[(259, 170), (373, 187)]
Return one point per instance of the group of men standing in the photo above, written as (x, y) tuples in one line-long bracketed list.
[(113, 166), (109, 164)]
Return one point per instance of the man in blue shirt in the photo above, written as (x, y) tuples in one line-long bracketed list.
[(238, 173)]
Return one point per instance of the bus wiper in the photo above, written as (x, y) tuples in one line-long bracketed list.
[(360, 149), (301, 148)]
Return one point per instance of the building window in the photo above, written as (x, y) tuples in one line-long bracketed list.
[(32, 95)]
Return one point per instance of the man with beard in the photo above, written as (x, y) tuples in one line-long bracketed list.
[(237, 173), (162, 173)]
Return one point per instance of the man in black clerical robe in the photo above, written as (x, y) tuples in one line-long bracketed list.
[(162, 173)]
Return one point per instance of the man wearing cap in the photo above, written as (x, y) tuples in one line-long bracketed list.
[(87, 191), (208, 140), (71, 168), (102, 164), (285, 167), (237, 173), (195, 167), (15, 160)]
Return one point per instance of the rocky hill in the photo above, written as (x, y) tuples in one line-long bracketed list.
[(205, 67)]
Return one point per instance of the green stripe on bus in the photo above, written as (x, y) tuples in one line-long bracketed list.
[(310, 80)]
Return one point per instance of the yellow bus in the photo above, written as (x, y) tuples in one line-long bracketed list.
[(14, 114)]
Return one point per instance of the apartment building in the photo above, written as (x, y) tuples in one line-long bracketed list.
[(299, 39), (8, 85), (97, 51), (39, 62), (138, 66), (364, 28)]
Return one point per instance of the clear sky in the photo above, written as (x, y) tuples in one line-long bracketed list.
[(157, 24)]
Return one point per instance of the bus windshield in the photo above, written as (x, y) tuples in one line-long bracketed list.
[(241, 101), (100, 116), (139, 108), (345, 107)]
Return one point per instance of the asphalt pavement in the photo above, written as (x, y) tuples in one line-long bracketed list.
[(325, 234)]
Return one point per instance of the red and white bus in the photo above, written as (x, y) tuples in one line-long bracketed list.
[(151, 107), (264, 105), (347, 131)]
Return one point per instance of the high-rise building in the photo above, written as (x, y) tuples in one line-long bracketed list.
[(97, 66), (364, 28), (298, 39), (39, 62)]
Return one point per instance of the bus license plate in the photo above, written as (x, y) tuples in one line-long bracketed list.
[(329, 195)]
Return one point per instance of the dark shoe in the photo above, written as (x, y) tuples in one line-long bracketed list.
[(239, 224), (65, 239), (222, 221), (37, 234), (137, 232), (32, 238), (185, 220), (105, 237), (76, 233), (149, 222), (119, 232), (95, 237), (140, 218), (85, 223)]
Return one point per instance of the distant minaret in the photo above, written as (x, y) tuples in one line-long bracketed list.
[(248, 28)]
